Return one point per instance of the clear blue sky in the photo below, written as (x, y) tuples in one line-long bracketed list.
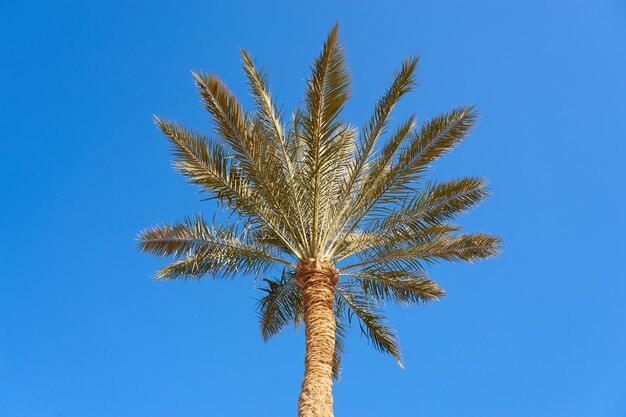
[(84, 331)]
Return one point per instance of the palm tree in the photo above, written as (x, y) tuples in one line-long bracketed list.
[(344, 220)]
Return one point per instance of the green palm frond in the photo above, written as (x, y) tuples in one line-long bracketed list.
[(467, 247), (371, 323), (443, 201), (403, 82), (281, 305), (323, 130), (266, 106), (435, 138), (231, 123), (341, 332), (275, 134), (196, 266), (204, 162), (383, 234), (345, 208), (403, 287), (257, 158), (208, 164), (389, 184), (208, 250), (421, 219)]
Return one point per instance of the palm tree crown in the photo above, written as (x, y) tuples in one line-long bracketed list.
[(314, 187)]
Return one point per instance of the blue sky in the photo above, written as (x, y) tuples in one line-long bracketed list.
[(84, 331)]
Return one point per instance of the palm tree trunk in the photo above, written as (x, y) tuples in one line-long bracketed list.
[(317, 280)]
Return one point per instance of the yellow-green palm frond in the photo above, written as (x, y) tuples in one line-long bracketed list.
[(205, 163), (403, 287), (266, 105), (208, 164), (385, 233), (435, 138), (420, 218), (246, 138), (281, 305), (373, 325), (439, 202), (389, 183), (346, 204), (323, 131), (274, 134), (403, 82), (207, 250), (413, 256), (230, 121), (341, 333)]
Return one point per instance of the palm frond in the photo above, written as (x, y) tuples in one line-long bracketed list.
[(341, 333), (468, 247), (266, 106), (420, 219), (346, 205), (325, 95), (410, 231), (231, 123), (403, 82), (275, 133), (208, 250), (435, 138), (372, 324), (204, 162), (403, 287), (281, 305), (246, 137), (439, 202)]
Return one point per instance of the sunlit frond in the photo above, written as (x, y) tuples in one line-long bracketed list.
[(404, 287), (281, 305), (207, 249), (205, 163), (411, 231), (274, 133), (341, 332), (266, 106), (390, 186), (420, 219), (435, 138), (325, 95), (345, 209), (262, 163), (372, 324), (230, 121), (443, 201), (467, 247), (403, 82)]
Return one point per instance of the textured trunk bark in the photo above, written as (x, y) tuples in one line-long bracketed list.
[(317, 281)]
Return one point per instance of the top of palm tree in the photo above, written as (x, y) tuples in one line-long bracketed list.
[(315, 187)]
